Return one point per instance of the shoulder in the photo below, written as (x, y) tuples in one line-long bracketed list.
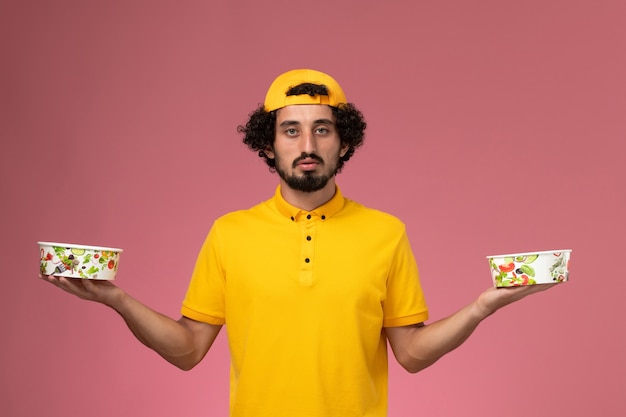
[(371, 215), (243, 217)]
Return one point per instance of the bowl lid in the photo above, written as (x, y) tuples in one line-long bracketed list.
[(509, 255), (75, 246)]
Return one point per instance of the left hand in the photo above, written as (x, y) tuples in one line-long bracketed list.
[(494, 298)]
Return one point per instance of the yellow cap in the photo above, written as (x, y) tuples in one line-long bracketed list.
[(277, 97)]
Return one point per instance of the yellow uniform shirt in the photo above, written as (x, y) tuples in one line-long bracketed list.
[(305, 296)]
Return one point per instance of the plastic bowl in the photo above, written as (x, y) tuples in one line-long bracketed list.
[(544, 267), (78, 261)]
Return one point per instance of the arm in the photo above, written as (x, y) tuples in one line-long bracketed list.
[(418, 346), (182, 343)]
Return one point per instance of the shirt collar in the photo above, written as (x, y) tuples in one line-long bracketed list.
[(324, 212)]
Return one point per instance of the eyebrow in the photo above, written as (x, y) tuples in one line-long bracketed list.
[(316, 122)]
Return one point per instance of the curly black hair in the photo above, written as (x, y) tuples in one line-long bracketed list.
[(260, 130)]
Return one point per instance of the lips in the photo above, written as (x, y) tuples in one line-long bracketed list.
[(307, 161), (308, 165)]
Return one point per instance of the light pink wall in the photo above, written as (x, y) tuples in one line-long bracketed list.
[(494, 127)]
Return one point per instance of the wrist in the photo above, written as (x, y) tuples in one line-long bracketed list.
[(117, 299), (481, 310)]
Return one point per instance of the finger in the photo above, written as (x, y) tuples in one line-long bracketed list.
[(526, 290), (51, 279), (73, 286), (89, 285), (539, 287)]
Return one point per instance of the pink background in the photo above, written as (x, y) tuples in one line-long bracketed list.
[(493, 127)]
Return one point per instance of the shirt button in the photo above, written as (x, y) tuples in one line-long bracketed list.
[(308, 216), (292, 219), (307, 260), (323, 217), (308, 238)]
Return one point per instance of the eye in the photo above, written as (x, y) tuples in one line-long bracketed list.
[(291, 131), (322, 131)]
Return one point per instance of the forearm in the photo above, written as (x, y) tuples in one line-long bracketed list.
[(182, 343), (445, 335), (169, 338), (418, 347)]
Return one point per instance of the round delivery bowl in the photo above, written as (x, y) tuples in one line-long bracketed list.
[(78, 261), (530, 268)]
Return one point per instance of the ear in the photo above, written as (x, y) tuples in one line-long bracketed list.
[(269, 152), (344, 149)]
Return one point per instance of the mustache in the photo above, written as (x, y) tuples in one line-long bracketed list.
[(304, 156)]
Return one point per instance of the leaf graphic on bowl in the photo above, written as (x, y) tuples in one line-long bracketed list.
[(528, 270)]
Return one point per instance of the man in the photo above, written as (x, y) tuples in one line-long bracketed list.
[(310, 284)]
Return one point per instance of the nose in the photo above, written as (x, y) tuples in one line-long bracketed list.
[(309, 143)]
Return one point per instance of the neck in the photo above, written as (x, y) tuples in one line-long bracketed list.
[(307, 201)]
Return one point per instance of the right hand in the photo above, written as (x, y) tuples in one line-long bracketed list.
[(101, 291)]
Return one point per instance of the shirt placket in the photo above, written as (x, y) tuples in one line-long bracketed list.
[(309, 226)]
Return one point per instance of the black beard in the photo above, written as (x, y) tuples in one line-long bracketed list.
[(309, 181)]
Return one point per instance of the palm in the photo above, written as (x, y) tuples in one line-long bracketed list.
[(496, 298), (92, 290)]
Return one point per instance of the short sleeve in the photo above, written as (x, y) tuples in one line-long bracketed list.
[(404, 303), (204, 300)]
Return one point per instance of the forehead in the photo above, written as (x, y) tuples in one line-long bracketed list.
[(304, 113)]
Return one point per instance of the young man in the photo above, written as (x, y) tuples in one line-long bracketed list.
[(310, 284)]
